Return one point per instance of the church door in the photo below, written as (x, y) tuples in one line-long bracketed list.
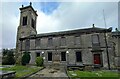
[(97, 59)]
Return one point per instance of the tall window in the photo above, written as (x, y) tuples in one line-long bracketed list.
[(77, 40), (63, 41), (78, 57), (33, 23), (37, 42), (50, 41), (49, 56), (37, 54), (24, 21), (63, 56), (95, 39), (27, 44)]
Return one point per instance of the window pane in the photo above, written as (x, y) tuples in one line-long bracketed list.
[(24, 21), (63, 41), (37, 42), (33, 23), (27, 44), (50, 41), (38, 54), (63, 56), (77, 40), (78, 57), (95, 39), (49, 56)]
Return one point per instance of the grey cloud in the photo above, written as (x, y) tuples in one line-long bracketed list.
[(9, 24), (79, 15), (68, 15)]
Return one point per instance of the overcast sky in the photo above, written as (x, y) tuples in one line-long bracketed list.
[(56, 16)]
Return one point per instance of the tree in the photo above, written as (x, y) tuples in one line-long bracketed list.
[(25, 58), (8, 57), (4, 51)]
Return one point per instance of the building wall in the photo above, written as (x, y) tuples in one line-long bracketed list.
[(85, 47), (116, 49)]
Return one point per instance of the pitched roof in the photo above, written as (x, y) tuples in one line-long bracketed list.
[(69, 32), (80, 31), (116, 33)]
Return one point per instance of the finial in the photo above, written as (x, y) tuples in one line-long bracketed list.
[(110, 28), (22, 6), (93, 25), (30, 3), (116, 29)]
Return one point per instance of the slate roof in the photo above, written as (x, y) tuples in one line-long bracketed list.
[(116, 34), (70, 32)]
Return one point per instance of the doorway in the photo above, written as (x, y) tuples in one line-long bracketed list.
[(97, 59)]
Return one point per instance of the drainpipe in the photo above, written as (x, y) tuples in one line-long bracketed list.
[(21, 52), (107, 51)]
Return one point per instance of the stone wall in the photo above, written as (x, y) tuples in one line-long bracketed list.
[(85, 48)]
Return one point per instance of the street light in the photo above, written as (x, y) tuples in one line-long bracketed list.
[(67, 57), (42, 52), (67, 52)]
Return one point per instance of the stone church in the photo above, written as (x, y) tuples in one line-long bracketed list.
[(80, 47)]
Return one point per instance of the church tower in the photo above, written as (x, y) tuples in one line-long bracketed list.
[(27, 25)]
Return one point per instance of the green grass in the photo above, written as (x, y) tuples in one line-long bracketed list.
[(22, 71), (93, 74)]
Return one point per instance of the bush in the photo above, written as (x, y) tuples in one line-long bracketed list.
[(25, 58), (39, 61), (8, 59)]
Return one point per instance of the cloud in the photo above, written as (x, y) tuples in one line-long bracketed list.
[(68, 15), (46, 23), (60, 0), (74, 15), (10, 21)]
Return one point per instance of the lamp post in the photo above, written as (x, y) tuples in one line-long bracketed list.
[(67, 57), (43, 54)]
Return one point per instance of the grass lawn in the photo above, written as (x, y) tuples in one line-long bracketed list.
[(22, 70), (93, 74)]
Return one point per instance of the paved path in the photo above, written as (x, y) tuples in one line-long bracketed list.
[(50, 73)]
